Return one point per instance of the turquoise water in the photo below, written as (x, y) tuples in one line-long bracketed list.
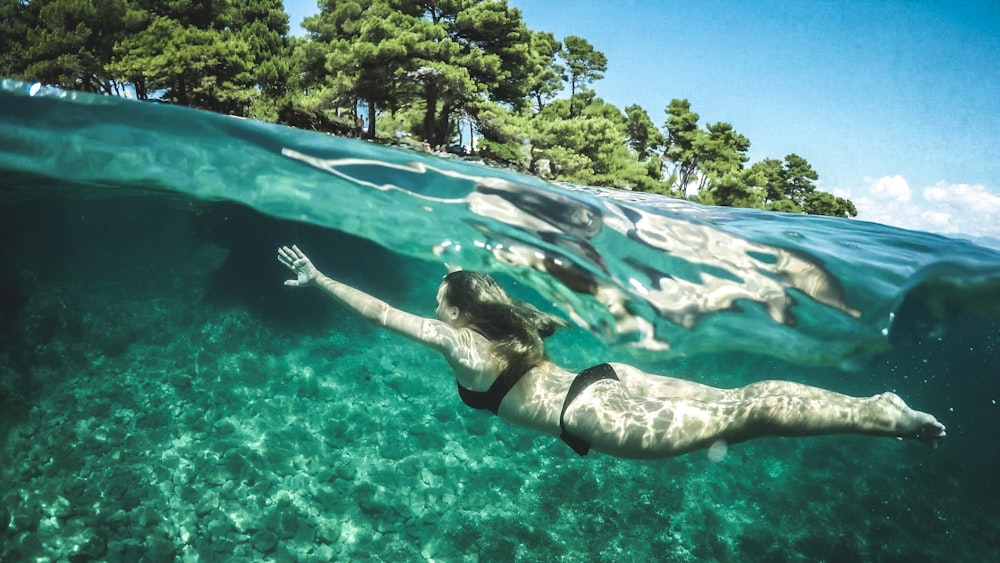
[(164, 396)]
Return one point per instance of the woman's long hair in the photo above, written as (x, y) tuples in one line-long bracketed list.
[(515, 328)]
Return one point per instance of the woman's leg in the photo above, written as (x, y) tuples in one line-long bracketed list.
[(642, 384), (619, 423)]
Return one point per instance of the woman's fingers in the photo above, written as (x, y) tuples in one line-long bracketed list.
[(287, 257)]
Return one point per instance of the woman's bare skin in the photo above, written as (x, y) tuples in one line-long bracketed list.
[(640, 415)]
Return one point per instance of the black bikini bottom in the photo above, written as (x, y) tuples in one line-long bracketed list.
[(583, 380)]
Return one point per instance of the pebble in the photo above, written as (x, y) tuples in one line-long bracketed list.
[(60, 507), (23, 521), (223, 427), (328, 532), (94, 547), (159, 550), (219, 525), (147, 517), (287, 523), (264, 541), (209, 502)]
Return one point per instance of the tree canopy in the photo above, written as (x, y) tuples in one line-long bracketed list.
[(425, 66), (584, 65)]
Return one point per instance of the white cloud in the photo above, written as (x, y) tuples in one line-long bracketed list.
[(934, 221), (968, 196), (892, 187), (951, 209)]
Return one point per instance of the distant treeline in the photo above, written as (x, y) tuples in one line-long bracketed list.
[(434, 69)]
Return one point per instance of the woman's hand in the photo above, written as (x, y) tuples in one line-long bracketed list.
[(299, 263)]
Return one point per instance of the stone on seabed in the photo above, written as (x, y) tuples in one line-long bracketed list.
[(264, 541)]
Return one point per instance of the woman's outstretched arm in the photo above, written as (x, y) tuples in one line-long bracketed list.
[(430, 332)]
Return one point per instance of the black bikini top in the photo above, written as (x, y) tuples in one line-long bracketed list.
[(490, 399)]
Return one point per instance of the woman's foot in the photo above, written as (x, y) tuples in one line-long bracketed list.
[(894, 418)]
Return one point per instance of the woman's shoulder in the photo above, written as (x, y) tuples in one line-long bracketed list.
[(471, 356)]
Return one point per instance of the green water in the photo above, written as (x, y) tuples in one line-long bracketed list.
[(166, 398)]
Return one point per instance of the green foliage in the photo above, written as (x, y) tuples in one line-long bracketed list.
[(584, 64), (591, 148), (444, 55), (733, 190), (429, 65), (263, 25), (769, 176), (544, 74), (684, 138), (822, 203), (218, 54), (799, 178), (503, 152), (356, 49), (67, 43), (723, 153), (506, 133), (15, 21), (206, 68), (789, 186), (709, 164), (643, 137)]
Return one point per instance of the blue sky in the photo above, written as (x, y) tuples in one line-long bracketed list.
[(896, 104)]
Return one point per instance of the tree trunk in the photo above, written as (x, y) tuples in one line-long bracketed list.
[(442, 129), (140, 89), (427, 132), (572, 95), (371, 119), (180, 92)]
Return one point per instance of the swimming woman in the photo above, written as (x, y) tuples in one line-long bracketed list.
[(495, 346)]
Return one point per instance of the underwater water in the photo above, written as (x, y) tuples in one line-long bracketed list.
[(165, 397)]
